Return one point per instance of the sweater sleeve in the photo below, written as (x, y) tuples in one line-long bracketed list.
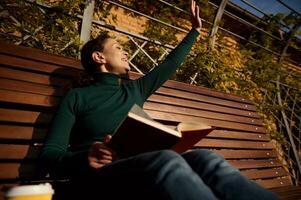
[(55, 157), (155, 78)]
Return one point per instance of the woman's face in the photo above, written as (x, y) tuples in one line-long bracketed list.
[(115, 58)]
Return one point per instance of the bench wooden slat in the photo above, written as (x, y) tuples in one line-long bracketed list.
[(288, 192), (204, 98), (16, 170), (235, 135), (30, 89), (32, 77), (19, 151), (14, 152), (212, 122), (27, 98), (38, 67), (23, 116), (233, 144), (207, 91), (26, 87), (200, 105), (22, 133), (238, 135), (273, 183), (199, 90), (253, 164), (47, 101), (25, 132), (9, 170), (38, 99), (35, 54), (290, 196), (245, 154), (30, 117), (200, 113), (265, 173), (287, 189)]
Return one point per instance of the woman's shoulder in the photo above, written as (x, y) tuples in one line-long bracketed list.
[(78, 90), (72, 93)]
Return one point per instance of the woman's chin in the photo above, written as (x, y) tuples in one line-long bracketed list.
[(128, 69)]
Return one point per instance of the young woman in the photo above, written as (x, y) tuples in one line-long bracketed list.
[(93, 112)]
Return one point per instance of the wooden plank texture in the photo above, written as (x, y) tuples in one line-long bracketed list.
[(38, 55), (198, 89), (265, 173), (32, 65), (32, 77), (32, 83), (19, 152), (212, 122), (288, 192), (246, 154), (233, 144), (28, 98), (273, 183), (200, 105), (255, 164), (27, 87), (200, 113), (23, 116), (204, 98), (238, 135), (14, 132)]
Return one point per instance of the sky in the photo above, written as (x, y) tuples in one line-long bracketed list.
[(269, 6)]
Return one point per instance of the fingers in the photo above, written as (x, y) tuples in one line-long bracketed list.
[(107, 139), (100, 155), (192, 8), (195, 15), (104, 152), (199, 21), (197, 10), (100, 147), (96, 164)]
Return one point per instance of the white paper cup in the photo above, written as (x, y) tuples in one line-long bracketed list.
[(30, 192)]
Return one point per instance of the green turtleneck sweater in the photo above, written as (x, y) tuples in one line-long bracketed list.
[(92, 112)]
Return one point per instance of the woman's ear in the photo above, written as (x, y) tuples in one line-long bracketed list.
[(98, 57)]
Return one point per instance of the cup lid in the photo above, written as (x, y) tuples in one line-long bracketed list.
[(44, 188)]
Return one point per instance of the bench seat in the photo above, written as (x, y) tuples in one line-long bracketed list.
[(32, 83)]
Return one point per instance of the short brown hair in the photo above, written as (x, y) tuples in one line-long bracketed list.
[(87, 50)]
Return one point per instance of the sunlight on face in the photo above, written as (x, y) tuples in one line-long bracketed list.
[(116, 59)]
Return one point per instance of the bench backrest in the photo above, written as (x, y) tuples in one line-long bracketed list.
[(32, 82)]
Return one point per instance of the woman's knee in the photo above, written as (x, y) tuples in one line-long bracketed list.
[(164, 156), (164, 159), (205, 160)]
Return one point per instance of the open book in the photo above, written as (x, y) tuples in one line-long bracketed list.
[(139, 133)]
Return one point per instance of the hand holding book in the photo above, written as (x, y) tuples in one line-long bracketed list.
[(100, 154)]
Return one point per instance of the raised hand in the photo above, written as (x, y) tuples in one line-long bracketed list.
[(195, 16)]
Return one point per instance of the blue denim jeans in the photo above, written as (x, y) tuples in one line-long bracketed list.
[(198, 174)]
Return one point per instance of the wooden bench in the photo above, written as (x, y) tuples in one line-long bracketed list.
[(32, 82)]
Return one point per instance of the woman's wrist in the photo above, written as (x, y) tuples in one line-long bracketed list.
[(198, 30)]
